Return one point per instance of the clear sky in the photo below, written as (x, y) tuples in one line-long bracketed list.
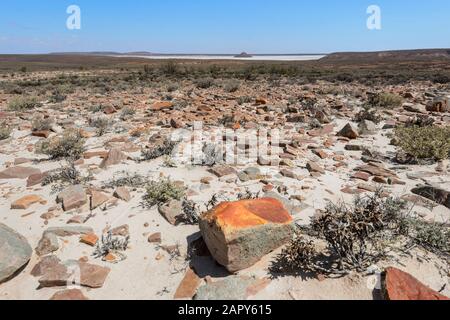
[(222, 26)]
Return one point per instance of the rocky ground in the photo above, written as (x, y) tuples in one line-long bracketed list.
[(50, 224)]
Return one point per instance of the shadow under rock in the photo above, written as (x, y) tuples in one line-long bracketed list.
[(200, 259)]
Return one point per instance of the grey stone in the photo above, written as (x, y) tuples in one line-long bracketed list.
[(15, 252)]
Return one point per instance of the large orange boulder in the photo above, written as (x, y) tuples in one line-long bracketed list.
[(400, 285), (238, 234)]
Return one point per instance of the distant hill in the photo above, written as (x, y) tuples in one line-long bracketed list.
[(389, 56)]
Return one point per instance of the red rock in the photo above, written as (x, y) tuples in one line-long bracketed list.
[(361, 175), (400, 285), (41, 134), (97, 199), (70, 294), (18, 172), (122, 193), (188, 286), (348, 132), (115, 156), (36, 179), (93, 154), (238, 234), (109, 110), (165, 105)]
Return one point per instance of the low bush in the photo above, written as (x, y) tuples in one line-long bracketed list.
[(160, 192), (70, 145), (24, 103), (429, 142)]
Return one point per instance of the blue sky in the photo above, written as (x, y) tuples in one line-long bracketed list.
[(222, 26)]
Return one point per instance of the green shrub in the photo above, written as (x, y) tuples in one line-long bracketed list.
[(70, 145), (385, 100), (5, 131), (40, 123), (205, 83), (231, 86), (160, 192), (430, 142), (101, 124), (24, 103)]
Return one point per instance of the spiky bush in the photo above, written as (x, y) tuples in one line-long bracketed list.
[(160, 192), (70, 145), (163, 148), (356, 236), (127, 113), (231, 86), (430, 142), (205, 83), (24, 103)]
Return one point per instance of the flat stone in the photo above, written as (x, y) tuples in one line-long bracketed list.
[(69, 295), (434, 194), (115, 156), (314, 167), (171, 211), (221, 171), (15, 252), (43, 266), (18, 173), (155, 238), (122, 193), (231, 288), (72, 197), (188, 286), (97, 199), (25, 202), (399, 285)]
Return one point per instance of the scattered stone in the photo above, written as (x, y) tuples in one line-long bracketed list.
[(15, 252), (171, 211), (437, 195), (348, 132), (90, 239), (115, 156), (122, 193), (155, 238), (314, 167), (25, 202), (18, 173), (72, 197), (399, 285), (188, 286), (70, 295), (97, 199)]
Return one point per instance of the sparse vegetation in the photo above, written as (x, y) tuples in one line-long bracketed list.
[(231, 86), (101, 124), (205, 83), (41, 123), (66, 176), (430, 142), (70, 145), (163, 148), (126, 179), (127, 113), (111, 245), (161, 191), (24, 103), (356, 236), (385, 100), (5, 131)]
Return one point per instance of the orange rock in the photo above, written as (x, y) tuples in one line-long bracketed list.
[(89, 239), (238, 234), (164, 105), (25, 202), (400, 285)]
